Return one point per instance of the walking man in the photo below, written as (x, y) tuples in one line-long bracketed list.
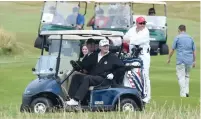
[(185, 47)]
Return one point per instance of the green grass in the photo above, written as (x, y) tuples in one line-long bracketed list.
[(15, 71)]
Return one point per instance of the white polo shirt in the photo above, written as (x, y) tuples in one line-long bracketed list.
[(140, 38), (101, 56)]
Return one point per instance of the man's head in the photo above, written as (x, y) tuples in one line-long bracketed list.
[(182, 28), (140, 22), (90, 45), (96, 45), (75, 10), (151, 12), (104, 46), (100, 12)]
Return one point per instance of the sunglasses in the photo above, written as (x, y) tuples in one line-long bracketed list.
[(142, 23)]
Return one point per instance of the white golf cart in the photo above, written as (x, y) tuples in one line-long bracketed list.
[(113, 15), (60, 15)]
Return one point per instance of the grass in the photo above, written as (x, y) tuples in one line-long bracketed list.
[(7, 43), (22, 19), (153, 112)]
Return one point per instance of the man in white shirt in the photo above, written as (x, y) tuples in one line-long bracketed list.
[(139, 35)]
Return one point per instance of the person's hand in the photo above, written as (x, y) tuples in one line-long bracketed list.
[(79, 27), (168, 61), (110, 76), (193, 64)]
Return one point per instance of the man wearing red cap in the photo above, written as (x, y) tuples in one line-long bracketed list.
[(139, 35)]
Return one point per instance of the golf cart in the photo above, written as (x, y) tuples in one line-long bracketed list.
[(156, 17), (113, 15), (59, 15), (49, 90)]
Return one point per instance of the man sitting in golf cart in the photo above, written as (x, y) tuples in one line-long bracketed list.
[(58, 18), (105, 65), (86, 60), (76, 17), (151, 12), (101, 20)]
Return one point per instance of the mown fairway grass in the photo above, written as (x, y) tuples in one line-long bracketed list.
[(15, 71)]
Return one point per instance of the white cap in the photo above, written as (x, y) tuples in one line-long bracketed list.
[(104, 42)]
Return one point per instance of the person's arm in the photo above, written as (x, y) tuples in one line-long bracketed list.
[(194, 54), (126, 38), (91, 22), (118, 66), (81, 21), (174, 46)]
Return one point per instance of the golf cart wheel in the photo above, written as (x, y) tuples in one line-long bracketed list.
[(164, 50), (41, 105), (128, 104)]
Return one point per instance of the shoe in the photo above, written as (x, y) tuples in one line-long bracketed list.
[(187, 95), (145, 100), (72, 102)]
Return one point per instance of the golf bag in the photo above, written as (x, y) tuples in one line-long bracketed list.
[(134, 78)]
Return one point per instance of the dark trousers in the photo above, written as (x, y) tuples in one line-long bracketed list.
[(80, 85)]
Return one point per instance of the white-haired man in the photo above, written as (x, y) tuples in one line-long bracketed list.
[(105, 65), (139, 35)]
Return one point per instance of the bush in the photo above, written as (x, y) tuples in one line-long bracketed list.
[(8, 44)]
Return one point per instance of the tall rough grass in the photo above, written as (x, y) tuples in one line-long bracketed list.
[(153, 111), (8, 43)]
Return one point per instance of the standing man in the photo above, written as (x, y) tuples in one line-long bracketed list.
[(139, 35), (185, 47)]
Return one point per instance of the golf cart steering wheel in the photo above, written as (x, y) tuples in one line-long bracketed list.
[(75, 65)]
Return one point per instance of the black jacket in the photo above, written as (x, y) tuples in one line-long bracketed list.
[(110, 63), (88, 62)]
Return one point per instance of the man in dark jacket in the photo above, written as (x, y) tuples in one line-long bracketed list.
[(86, 63), (105, 65)]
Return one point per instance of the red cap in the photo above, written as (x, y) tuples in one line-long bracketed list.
[(126, 47), (140, 20)]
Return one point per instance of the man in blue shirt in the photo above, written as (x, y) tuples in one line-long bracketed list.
[(76, 19), (185, 47)]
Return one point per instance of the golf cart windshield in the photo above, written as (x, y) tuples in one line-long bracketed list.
[(60, 14), (112, 16), (70, 50)]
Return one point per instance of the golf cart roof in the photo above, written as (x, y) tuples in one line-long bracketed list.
[(131, 1), (149, 2), (75, 37), (77, 1), (113, 1), (84, 32)]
